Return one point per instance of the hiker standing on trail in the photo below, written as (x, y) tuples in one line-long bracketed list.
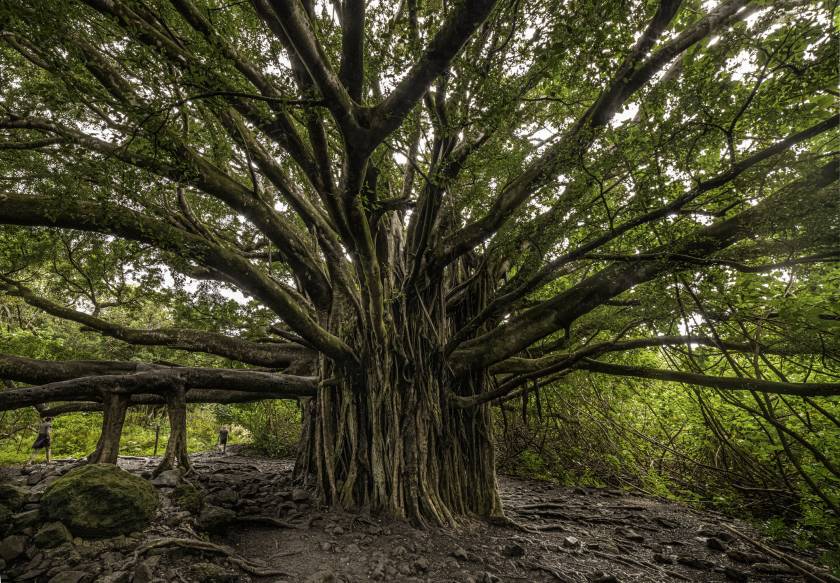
[(44, 439), (223, 437)]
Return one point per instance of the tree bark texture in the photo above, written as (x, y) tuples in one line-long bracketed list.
[(113, 417)]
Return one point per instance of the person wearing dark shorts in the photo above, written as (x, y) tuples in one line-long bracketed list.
[(44, 439), (223, 437)]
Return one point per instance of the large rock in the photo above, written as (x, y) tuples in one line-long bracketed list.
[(12, 497), (188, 497), (167, 479), (100, 500), (51, 535), (12, 547), (215, 518)]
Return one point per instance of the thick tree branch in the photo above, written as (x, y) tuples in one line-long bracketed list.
[(545, 365), (192, 396), (271, 355), (465, 18), (39, 372), (88, 216), (352, 68), (793, 203), (290, 21), (725, 383), (160, 381)]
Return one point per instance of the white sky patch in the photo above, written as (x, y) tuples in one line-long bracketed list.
[(741, 65), (753, 18), (234, 294), (629, 112)]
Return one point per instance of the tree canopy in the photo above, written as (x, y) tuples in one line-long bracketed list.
[(404, 213)]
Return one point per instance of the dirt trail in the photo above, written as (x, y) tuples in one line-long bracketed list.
[(566, 535)]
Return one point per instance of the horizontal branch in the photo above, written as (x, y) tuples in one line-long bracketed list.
[(192, 396), (260, 354), (38, 372), (530, 365), (160, 381), (122, 222), (791, 204), (725, 383)]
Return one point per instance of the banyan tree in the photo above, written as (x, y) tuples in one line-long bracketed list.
[(428, 207)]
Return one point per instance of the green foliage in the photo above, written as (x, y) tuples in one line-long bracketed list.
[(696, 446), (75, 434), (273, 426)]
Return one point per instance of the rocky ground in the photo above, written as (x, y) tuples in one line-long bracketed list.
[(246, 522)]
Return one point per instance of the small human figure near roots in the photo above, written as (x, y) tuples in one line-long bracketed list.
[(44, 439), (223, 437)]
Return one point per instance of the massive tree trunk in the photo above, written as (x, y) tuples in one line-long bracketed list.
[(387, 438), (389, 442)]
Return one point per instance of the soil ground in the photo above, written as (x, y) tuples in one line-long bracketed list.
[(277, 535)]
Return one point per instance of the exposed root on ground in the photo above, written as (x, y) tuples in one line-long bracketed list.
[(204, 546)]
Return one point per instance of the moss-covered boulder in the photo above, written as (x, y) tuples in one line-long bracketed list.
[(188, 497), (100, 500), (12, 497)]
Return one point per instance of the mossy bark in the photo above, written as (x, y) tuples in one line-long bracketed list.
[(107, 449)]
